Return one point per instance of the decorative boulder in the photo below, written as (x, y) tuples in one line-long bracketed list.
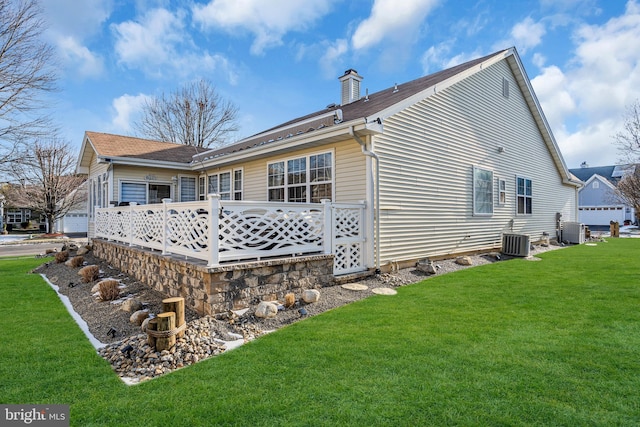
[(464, 260), (138, 317), (311, 295), (131, 305), (266, 310), (426, 266), (289, 300), (83, 250)]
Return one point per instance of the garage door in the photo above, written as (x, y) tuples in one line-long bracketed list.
[(601, 215), (75, 223)]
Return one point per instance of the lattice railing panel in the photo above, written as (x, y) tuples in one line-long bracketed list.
[(271, 230), (348, 238), (147, 226), (242, 230), (112, 223), (347, 222), (188, 229), (348, 258)]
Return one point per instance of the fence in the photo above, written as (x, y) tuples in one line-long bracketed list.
[(216, 231)]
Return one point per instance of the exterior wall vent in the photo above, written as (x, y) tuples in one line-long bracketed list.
[(350, 86), (516, 245)]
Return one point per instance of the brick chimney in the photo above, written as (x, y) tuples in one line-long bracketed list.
[(350, 83)]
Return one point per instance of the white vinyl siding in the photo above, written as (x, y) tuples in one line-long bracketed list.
[(426, 154)]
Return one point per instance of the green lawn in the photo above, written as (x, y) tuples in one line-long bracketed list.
[(553, 342)]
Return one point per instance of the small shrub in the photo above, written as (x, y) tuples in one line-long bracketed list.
[(89, 273), (109, 290), (25, 224), (62, 257), (76, 261)]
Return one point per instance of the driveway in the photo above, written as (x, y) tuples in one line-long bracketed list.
[(33, 247)]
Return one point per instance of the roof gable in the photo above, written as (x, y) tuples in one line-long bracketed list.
[(599, 178), (611, 174), (118, 148)]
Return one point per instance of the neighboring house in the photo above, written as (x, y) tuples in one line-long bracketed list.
[(75, 221), (598, 204), (446, 163), (16, 217)]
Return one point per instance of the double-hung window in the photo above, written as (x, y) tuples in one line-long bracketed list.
[(307, 179), (482, 191), (524, 195), (227, 184)]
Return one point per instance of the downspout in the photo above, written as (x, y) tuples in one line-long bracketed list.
[(373, 155)]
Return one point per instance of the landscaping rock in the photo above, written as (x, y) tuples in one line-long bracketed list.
[(82, 251), (464, 260), (138, 317), (426, 266), (266, 310), (355, 287), (310, 295), (289, 300), (132, 305)]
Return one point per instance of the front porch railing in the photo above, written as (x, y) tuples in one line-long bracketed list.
[(216, 231)]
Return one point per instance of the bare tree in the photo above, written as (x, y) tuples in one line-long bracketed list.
[(193, 115), (45, 182), (628, 139), (26, 74)]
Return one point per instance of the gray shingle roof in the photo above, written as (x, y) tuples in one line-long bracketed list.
[(375, 103)]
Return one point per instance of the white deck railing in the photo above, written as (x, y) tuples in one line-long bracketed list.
[(217, 231)]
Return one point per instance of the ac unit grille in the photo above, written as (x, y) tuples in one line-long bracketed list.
[(516, 245)]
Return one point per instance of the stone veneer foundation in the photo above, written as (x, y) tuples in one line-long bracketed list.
[(218, 289)]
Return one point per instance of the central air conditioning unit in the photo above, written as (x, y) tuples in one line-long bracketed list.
[(516, 245), (573, 232)]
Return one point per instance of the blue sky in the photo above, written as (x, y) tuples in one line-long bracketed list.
[(278, 59)]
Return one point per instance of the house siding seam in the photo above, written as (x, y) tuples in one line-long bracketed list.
[(427, 156)]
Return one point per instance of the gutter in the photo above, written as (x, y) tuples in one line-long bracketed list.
[(373, 155), (142, 162)]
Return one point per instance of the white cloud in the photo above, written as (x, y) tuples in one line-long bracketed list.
[(524, 35), (151, 41), (70, 23), (159, 44), (437, 58), (268, 21), (333, 54), (391, 19), (79, 57), (591, 95), (76, 18), (551, 87), (126, 108)]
